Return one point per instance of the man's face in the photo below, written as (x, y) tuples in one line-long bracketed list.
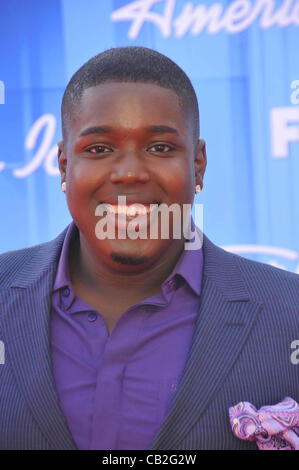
[(133, 140)]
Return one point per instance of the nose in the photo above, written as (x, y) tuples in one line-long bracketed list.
[(130, 169)]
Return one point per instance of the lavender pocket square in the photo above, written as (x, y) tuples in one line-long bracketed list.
[(273, 427)]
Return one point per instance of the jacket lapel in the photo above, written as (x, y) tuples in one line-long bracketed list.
[(25, 308), (225, 319)]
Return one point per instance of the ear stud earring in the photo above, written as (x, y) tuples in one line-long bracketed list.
[(197, 188), (63, 186)]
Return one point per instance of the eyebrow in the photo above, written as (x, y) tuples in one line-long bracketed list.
[(107, 129), (161, 129), (96, 130)]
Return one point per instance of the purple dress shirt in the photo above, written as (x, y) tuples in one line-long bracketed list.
[(115, 390)]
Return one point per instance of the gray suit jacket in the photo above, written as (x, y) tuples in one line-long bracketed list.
[(241, 348)]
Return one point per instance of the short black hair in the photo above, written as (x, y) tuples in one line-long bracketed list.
[(130, 64)]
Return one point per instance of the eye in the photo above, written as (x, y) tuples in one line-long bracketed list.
[(96, 149), (161, 148)]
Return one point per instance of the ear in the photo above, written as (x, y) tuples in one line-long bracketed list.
[(200, 161), (62, 160)]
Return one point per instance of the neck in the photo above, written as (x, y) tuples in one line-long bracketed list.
[(89, 270)]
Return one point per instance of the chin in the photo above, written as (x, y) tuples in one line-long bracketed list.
[(128, 260), (128, 254)]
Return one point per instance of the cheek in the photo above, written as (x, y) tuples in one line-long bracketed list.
[(179, 181), (79, 191), (81, 179), (78, 173)]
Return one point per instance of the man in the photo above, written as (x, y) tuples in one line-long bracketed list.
[(121, 343)]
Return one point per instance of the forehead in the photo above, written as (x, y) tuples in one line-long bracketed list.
[(130, 105)]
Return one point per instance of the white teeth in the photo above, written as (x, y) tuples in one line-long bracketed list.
[(131, 210), (153, 207)]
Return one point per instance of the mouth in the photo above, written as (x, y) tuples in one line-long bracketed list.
[(140, 214), (131, 210)]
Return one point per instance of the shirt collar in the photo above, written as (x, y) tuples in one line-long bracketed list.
[(190, 264), (63, 277)]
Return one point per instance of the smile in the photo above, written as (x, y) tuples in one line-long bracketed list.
[(123, 214), (131, 210)]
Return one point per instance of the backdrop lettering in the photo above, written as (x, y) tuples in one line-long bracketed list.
[(242, 58)]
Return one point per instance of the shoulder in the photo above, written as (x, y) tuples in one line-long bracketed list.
[(38, 256), (262, 281), (269, 284), (12, 261)]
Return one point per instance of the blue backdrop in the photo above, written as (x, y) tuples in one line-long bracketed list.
[(243, 59)]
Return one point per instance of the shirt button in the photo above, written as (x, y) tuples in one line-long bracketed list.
[(92, 316), (66, 292)]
